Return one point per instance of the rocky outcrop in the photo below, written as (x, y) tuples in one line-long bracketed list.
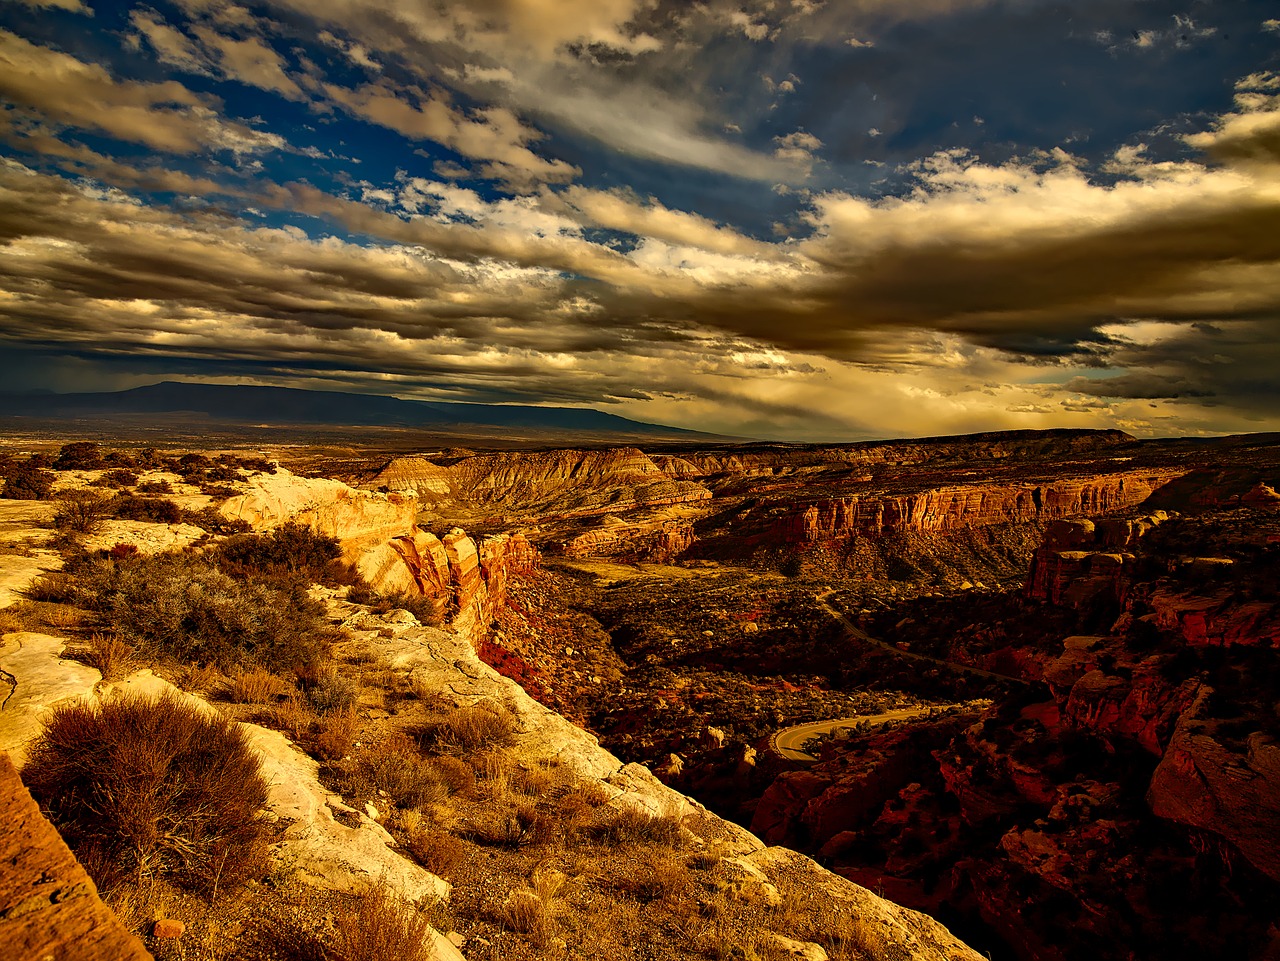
[(1082, 560), (1217, 488), (361, 521), (49, 906), (1207, 782), (659, 540)]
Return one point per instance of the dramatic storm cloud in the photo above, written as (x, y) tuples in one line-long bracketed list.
[(782, 218)]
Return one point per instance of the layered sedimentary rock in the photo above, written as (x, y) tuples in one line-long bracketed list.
[(658, 540), (1081, 559), (559, 482), (463, 580), (950, 508)]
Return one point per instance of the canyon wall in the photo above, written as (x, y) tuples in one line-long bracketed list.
[(951, 508)]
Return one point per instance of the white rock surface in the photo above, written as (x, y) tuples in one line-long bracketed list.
[(33, 678)]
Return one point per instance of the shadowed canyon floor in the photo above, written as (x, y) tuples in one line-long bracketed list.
[(1039, 668)]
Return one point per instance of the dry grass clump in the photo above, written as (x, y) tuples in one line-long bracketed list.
[(471, 729), (531, 910), (434, 848), (334, 735), (395, 766), (256, 686), (152, 787), (108, 654), (381, 927), (331, 693), (628, 824)]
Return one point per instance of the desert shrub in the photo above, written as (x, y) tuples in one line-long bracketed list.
[(334, 735), (380, 926), (531, 910), (55, 587), (466, 730), (330, 692), (411, 780), (290, 552), (181, 606), (81, 512), (157, 510), (155, 487), (119, 477), (436, 850), (81, 455), (625, 824), (156, 787), (27, 482), (218, 491), (212, 520)]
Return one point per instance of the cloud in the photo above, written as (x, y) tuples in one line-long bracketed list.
[(72, 6), (492, 134), (164, 116)]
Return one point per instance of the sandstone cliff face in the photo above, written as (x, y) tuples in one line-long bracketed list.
[(661, 540), (959, 507)]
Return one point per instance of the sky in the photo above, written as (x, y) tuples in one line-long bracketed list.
[(783, 219)]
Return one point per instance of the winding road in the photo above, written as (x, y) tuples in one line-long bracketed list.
[(790, 741)]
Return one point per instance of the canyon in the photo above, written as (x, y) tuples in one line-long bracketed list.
[(1052, 655)]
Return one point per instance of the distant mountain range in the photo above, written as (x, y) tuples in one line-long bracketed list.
[(286, 406)]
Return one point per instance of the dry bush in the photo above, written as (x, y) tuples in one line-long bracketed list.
[(458, 776), (437, 851), (291, 718), (381, 927), (467, 730), (52, 588), (330, 692), (626, 824), (335, 734), (179, 605), (200, 679), (256, 687), (81, 512), (109, 655), (531, 911), (289, 553), (395, 766), (660, 876), (15, 618), (152, 787), (540, 779), (154, 510)]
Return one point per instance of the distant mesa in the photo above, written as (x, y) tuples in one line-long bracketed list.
[(286, 406)]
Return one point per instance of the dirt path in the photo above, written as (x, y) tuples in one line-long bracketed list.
[(859, 634)]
